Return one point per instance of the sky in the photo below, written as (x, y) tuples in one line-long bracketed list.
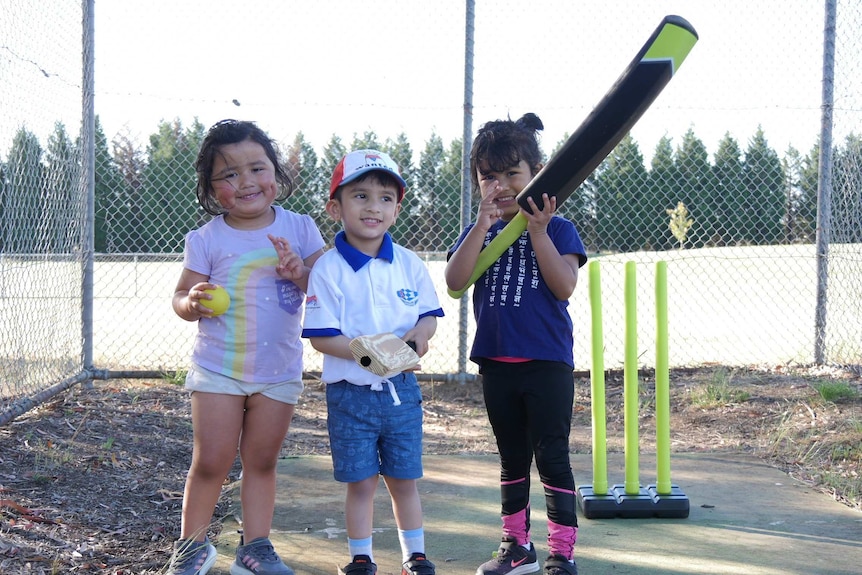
[(340, 67)]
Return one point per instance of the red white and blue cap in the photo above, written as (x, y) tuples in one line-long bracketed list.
[(361, 162)]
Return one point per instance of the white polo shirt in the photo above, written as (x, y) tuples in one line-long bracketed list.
[(352, 294)]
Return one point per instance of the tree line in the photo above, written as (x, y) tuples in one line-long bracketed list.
[(145, 200)]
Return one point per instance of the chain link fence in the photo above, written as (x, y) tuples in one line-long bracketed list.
[(42, 201), (720, 178)]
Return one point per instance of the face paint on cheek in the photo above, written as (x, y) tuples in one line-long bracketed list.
[(225, 198), (268, 182)]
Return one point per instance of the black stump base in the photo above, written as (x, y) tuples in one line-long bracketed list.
[(644, 504)]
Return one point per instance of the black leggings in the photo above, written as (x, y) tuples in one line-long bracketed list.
[(530, 409)]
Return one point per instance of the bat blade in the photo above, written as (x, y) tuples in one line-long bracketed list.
[(614, 116)]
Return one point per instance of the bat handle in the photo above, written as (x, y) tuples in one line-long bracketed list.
[(492, 252)]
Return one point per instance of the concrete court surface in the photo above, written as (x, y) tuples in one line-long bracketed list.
[(745, 518)]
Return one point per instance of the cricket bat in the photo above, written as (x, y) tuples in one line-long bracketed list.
[(604, 128)]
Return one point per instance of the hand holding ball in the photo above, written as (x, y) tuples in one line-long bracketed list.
[(220, 301)]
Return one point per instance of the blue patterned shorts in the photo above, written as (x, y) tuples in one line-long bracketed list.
[(369, 435)]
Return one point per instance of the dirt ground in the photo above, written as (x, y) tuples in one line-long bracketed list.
[(91, 482)]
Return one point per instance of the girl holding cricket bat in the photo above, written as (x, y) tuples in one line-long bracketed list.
[(523, 342)]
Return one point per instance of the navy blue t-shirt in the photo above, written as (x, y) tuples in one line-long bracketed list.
[(516, 313)]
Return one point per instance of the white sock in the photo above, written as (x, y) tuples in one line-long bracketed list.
[(412, 541), (359, 547)]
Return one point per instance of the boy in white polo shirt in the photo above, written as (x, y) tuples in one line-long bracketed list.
[(369, 285)]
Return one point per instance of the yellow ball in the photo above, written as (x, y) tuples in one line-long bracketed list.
[(220, 300)]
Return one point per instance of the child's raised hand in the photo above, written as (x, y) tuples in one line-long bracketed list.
[(290, 265), (489, 213), (537, 222)]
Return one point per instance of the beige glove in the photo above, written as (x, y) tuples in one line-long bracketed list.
[(384, 354)]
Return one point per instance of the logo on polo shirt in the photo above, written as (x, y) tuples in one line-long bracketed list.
[(311, 301), (408, 296)]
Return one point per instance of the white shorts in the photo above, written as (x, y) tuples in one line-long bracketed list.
[(201, 379)]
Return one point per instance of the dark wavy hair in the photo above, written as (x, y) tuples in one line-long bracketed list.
[(501, 144), (233, 132)]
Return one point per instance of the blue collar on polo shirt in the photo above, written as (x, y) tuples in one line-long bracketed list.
[(357, 259)]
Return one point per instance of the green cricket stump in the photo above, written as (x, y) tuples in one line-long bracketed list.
[(631, 499)]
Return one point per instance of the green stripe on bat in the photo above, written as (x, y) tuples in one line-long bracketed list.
[(673, 43)]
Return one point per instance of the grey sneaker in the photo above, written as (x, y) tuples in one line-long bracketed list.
[(511, 559), (258, 558), (192, 557), (559, 565)]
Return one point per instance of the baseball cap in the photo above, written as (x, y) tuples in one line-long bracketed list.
[(360, 162)]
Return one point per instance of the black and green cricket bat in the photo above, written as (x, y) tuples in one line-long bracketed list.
[(608, 123)]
